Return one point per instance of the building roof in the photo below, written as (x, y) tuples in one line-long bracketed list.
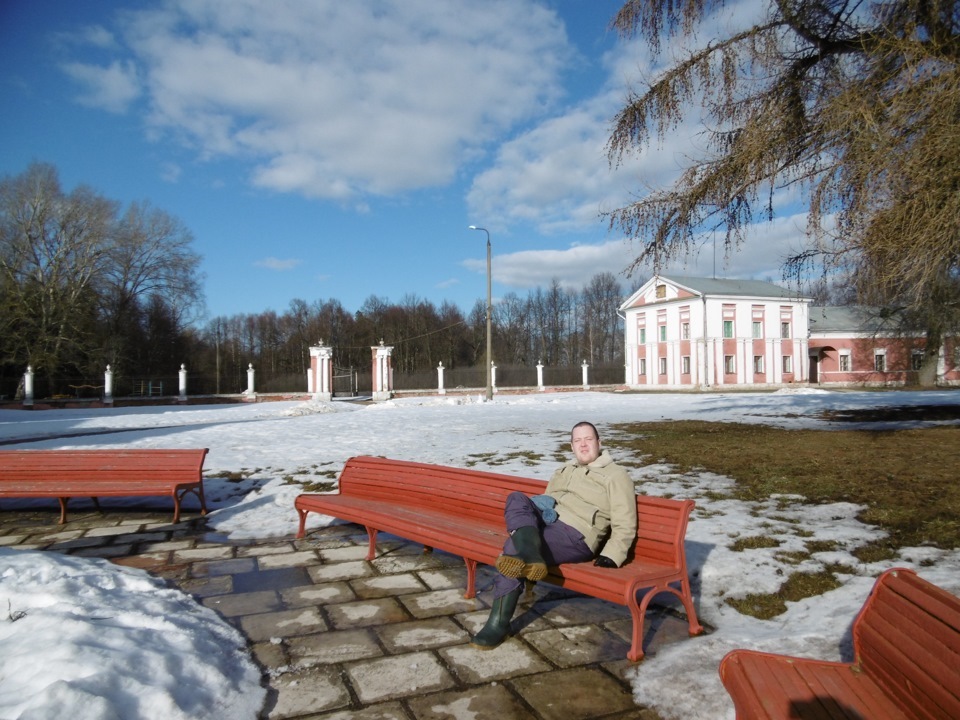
[(848, 319), (724, 286)]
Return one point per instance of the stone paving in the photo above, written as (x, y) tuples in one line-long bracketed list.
[(338, 637)]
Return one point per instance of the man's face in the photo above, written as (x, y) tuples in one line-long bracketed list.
[(585, 445)]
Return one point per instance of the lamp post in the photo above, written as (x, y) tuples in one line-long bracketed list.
[(489, 310)]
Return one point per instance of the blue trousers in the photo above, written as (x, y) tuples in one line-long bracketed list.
[(561, 543)]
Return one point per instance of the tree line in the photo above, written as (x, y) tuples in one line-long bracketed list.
[(86, 283)]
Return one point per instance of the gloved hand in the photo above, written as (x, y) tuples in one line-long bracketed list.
[(604, 562)]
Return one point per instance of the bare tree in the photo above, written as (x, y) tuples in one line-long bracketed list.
[(600, 324), (856, 101), (51, 255)]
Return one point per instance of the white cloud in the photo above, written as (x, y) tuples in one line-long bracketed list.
[(111, 88), (760, 257), (272, 263), (572, 267), (338, 100)]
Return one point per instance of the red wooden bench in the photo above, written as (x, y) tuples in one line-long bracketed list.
[(64, 474), (461, 511), (906, 663)]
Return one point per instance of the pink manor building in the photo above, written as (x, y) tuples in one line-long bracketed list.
[(684, 332)]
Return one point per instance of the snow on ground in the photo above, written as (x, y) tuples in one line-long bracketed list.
[(91, 671)]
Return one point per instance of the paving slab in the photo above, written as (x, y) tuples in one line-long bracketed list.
[(488, 702), (244, 603), (326, 594), (306, 693), (336, 646), (387, 586), (475, 665), (438, 602), (421, 634), (284, 623), (366, 613), (399, 676), (577, 645), (340, 571), (577, 694)]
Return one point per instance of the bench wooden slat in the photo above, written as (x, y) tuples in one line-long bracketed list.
[(64, 474), (906, 663), (461, 511), (905, 625)]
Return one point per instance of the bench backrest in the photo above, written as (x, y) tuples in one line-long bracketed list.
[(22, 464), (478, 494), (907, 638)]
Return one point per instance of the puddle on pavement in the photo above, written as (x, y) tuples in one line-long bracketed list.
[(277, 579)]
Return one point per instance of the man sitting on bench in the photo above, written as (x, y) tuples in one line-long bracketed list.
[(589, 504)]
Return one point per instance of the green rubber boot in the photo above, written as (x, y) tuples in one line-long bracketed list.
[(497, 628), (528, 562)]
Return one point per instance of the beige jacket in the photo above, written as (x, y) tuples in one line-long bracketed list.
[(599, 500)]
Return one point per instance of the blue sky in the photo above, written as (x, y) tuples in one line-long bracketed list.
[(327, 149)]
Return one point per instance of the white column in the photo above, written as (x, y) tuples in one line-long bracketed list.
[(382, 371), (183, 383), (583, 368), (493, 376), (251, 373), (108, 386), (440, 388), (28, 387), (539, 376), (320, 383)]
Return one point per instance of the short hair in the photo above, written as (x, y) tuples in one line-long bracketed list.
[(584, 423)]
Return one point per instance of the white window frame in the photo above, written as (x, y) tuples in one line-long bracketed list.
[(880, 360), (788, 363), (758, 365), (663, 366), (685, 365), (916, 360), (757, 329), (844, 362), (728, 329), (730, 364), (785, 329)]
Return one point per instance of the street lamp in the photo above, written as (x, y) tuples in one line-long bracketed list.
[(489, 309)]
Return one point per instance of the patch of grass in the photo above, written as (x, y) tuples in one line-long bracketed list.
[(318, 487), (815, 546), (754, 543), (476, 458), (906, 479), (798, 586), (528, 457)]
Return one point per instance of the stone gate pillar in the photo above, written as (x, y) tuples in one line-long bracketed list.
[(250, 394), (28, 387), (108, 386), (183, 383), (440, 389), (382, 371), (321, 372)]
